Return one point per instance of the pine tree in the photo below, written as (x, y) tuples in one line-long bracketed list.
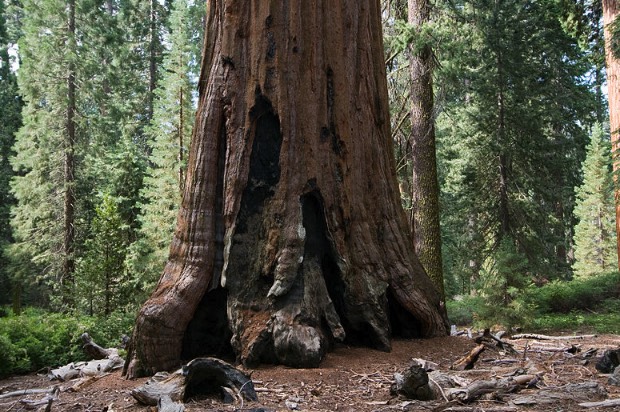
[(10, 120), (170, 132), (100, 272), (45, 159), (595, 239), (511, 140)]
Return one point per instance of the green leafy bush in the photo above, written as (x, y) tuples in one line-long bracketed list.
[(462, 311), (590, 293), (37, 339)]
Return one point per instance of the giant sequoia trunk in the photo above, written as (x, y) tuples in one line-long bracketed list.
[(290, 235), (610, 13)]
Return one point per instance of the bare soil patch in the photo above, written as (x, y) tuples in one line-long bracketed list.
[(353, 379)]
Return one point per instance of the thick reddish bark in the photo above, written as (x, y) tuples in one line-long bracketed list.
[(610, 12), (291, 234)]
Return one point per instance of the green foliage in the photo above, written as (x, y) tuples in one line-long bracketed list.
[(463, 310), (10, 121), (595, 234), (582, 294), (407, 36), (100, 282), (510, 136), (170, 133), (505, 275), (38, 339)]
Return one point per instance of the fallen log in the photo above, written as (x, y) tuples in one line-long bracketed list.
[(547, 337), (202, 376), (469, 360), (93, 350), (25, 392), (609, 403), (479, 388), (577, 392), (482, 387)]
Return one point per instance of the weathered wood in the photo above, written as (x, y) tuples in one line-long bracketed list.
[(200, 376), (577, 392), (24, 392), (478, 409), (469, 360), (608, 361), (609, 403), (547, 337), (165, 404), (482, 387), (170, 385), (93, 350), (413, 383)]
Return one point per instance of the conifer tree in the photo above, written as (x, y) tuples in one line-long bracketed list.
[(511, 135), (101, 281), (45, 159), (595, 239), (170, 134), (10, 107)]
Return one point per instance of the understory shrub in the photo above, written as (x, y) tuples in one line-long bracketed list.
[(592, 293), (37, 339)]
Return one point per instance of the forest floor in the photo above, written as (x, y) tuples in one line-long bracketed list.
[(359, 379)]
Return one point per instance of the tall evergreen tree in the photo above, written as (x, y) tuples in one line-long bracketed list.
[(512, 139), (10, 119), (595, 238), (170, 132), (44, 217)]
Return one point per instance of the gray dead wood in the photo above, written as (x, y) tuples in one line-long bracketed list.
[(614, 378), (609, 403), (47, 401), (166, 404), (413, 383), (93, 350), (469, 360), (608, 362), (578, 392), (482, 387), (201, 376), (547, 337), (161, 384), (478, 409), (24, 392)]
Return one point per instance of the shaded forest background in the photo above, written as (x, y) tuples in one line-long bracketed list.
[(97, 101)]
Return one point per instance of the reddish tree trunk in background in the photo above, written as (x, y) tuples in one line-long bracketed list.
[(610, 12), (291, 234)]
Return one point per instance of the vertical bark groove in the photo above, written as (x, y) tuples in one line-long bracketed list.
[(314, 233)]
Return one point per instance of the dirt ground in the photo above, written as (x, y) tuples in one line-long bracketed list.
[(357, 379)]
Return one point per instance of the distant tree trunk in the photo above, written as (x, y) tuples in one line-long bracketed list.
[(153, 45), (610, 12), (425, 186), (68, 266), (291, 234)]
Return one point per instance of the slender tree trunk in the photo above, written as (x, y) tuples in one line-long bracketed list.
[(153, 45), (68, 266), (425, 185), (181, 130), (291, 234), (610, 12)]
